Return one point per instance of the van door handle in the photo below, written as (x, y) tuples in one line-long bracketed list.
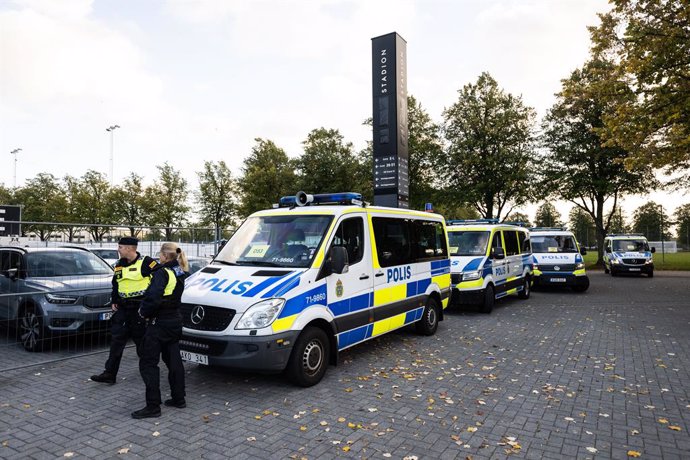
[(364, 277), (378, 274)]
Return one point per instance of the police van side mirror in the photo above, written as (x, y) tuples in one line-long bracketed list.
[(498, 253), (583, 251), (339, 262), (12, 274), (653, 249)]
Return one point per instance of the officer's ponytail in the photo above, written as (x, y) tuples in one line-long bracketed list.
[(175, 252)]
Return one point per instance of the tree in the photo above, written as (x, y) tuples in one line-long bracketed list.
[(6, 195), (267, 174), (682, 218), (130, 203), (216, 196), (582, 225), (618, 221), (169, 199), (490, 136), (518, 218), (328, 163), (70, 213), (649, 40), (651, 220), (547, 216), (94, 201), (425, 147), (576, 166), (43, 200)]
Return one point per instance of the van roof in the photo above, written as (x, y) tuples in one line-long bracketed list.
[(338, 210)]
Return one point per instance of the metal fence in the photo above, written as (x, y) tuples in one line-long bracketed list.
[(56, 282)]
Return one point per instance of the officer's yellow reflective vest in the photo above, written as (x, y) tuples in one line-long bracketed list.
[(130, 282), (172, 282)]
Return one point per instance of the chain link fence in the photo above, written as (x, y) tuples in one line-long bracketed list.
[(56, 283)]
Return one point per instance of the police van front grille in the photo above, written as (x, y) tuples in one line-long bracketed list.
[(633, 261), (97, 300), (561, 267), (203, 346), (205, 318)]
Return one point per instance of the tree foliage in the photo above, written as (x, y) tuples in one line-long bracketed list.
[(43, 200), (649, 40), (576, 165), (328, 163), (582, 225), (490, 146), (216, 196), (547, 216), (168, 196), (519, 218), (267, 174), (651, 220), (6, 195), (682, 220), (425, 147), (131, 205), (95, 203)]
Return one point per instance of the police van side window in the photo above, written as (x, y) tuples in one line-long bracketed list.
[(430, 241), (511, 240), (525, 245), (350, 235), (393, 242), (496, 242)]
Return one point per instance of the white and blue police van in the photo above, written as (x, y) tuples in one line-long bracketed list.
[(558, 258), (489, 260), (315, 275), (628, 253)]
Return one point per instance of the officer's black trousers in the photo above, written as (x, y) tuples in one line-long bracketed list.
[(162, 340), (125, 323)]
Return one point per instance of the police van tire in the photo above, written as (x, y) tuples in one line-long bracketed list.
[(429, 322), (606, 270), (30, 329), (524, 294), (489, 299), (309, 358), (651, 273)]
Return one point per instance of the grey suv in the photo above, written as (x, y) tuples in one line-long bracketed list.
[(53, 291)]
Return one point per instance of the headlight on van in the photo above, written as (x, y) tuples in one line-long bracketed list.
[(261, 314), (62, 299), (469, 276), (579, 266), (649, 261), (615, 261)]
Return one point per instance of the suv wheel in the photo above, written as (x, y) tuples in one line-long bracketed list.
[(309, 358), (429, 322), (31, 330), (489, 299), (524, 294)]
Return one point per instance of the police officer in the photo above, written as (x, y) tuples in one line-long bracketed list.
[(161, 309), (131, 279)]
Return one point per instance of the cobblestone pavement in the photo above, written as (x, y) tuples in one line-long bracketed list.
[(562, 375)]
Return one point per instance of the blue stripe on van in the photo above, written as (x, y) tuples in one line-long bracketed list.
[(318, 295), (473, 264), (277, 288), (353, 304), (263, 285)]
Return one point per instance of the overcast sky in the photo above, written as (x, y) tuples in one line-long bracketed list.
[(190, 81)]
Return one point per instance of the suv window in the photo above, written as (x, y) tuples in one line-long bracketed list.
[(65, 263), (430, 241), (9, 259), (393, 242), (350, 235), (511, 240)]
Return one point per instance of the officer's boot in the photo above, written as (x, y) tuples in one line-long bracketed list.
[(104, 377), (146, 412)]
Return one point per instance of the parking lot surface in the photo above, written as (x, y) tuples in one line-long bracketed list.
[(602, 374)]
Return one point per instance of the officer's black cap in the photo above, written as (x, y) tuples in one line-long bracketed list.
[(128, 241)]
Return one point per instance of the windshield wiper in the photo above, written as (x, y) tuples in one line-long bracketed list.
[(258, 262), (223, 262)]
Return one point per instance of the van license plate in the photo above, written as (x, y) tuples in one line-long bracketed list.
[(105, 316), (194, 357), (558, 280), (634, 269)]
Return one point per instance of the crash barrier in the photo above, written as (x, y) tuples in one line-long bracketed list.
[(56, 283)]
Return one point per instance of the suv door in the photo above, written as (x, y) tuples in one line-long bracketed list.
[(9, 288)]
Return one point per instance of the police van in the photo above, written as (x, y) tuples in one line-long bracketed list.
[(628, 253), (315, 275), (488, 261), (558, 258)]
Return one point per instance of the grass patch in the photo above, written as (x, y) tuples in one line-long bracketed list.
[(677, 261)]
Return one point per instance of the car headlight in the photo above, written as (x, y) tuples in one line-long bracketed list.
[(261, 314), (579, 266), (469, 276), (649, 261), (615, 261), (62, 299)]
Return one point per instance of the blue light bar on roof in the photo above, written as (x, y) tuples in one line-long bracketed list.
[(346, 198), (548, 229), (471, 221)]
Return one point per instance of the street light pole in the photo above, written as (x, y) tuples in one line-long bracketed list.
[(15, 152), (111, 130)]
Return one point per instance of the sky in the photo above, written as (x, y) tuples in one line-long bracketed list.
[(190, 81)]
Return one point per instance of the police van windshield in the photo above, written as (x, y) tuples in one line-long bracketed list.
[(65, 263), (631, 245), (553, 243), (276, 241), (468, 243)]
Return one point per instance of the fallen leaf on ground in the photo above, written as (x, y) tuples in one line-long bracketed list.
[(674, 427), (155, 434), (471, 429), (592, 450), (69, 454), (124, 450), (634, 453), (251, 438), (303, 428), (663, 421)]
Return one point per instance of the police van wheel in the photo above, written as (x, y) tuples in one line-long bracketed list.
[(30, 329), (606, 270), (651, 273), (309, 358), (489, 299), (524, 294), (429, 322)]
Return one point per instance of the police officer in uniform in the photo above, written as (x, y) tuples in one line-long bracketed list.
[(131, 279), (161, 309)]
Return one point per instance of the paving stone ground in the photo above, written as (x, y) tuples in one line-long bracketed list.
[(555, 376)]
